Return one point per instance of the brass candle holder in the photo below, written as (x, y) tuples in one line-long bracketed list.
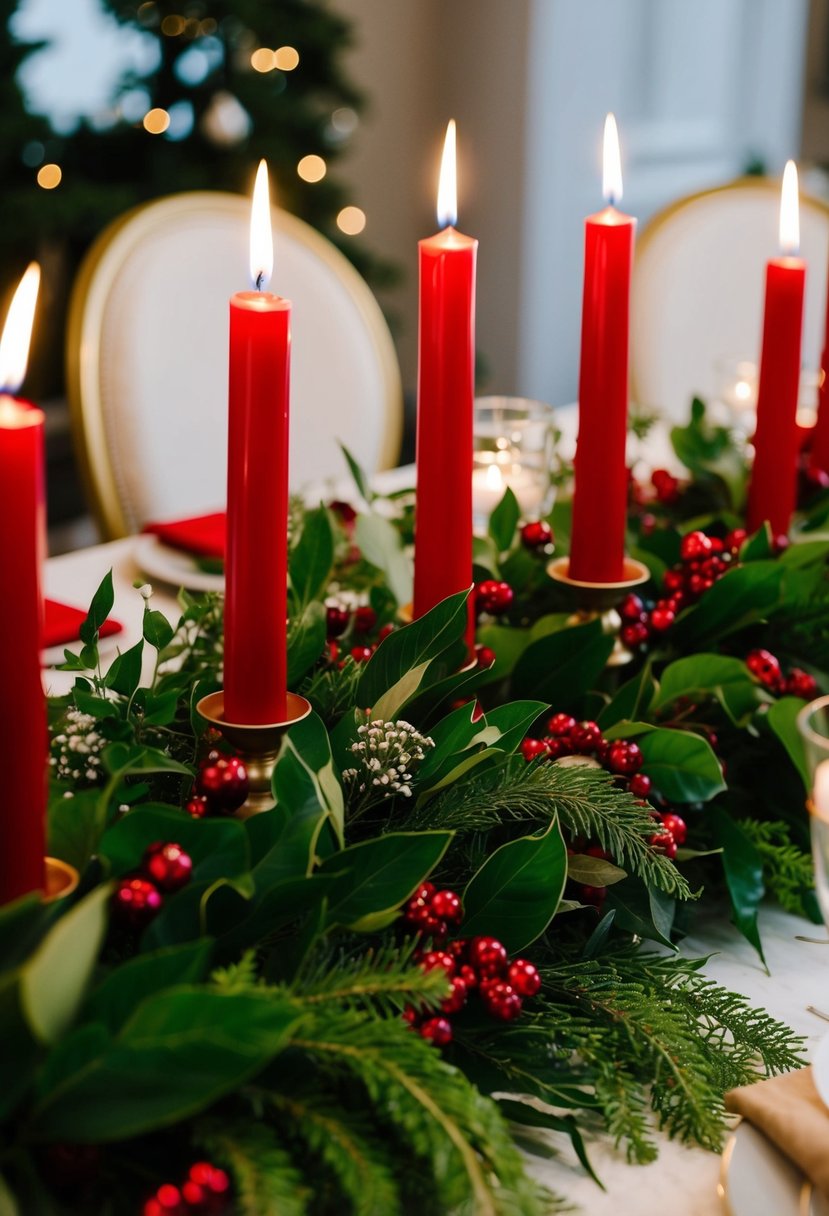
[(597, 601), (60, 879), (258, 746)]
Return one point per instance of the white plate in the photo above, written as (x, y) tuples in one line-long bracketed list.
[(756, 1179), (52, 656), (172, 566)]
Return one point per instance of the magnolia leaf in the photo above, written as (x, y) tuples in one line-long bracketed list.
[(560, 667), (782, 718), (593, 871), (743, 867), (516, 892), (156, 629), (304, 774), (382, 546), (217, 847), (312, 557), (377, 875), (115, 1000), (681, 764), (504, 520), (699, 675)]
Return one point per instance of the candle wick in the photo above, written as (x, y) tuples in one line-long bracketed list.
[(259, 279)]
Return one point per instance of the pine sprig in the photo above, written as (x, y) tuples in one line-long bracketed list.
[(586, 800), (238, 977), (457, 1135), (385, 980), (349, 1149), (787, 870), (265, 1178)]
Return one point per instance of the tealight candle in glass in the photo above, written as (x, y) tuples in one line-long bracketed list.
[(813, 723), (515, 448)]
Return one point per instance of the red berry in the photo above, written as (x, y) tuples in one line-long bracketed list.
[(694, 545), (560, 724), (735, 540), (455, 1002), (501, 1001), (780, 543), (662, 619), (696, 585), (664, 842), (625, 757), (205, 1175), (438, 958), (673, 581), (336, 620), (537, 534), (343, 510), (766, 668), (485, 656), (585, 737), (631, 608), (676, 826), (361, 654), (469, 976), (594, 896), (197, 806), (640, 785), (224, 783), (800, 684), (647, 523), (437, 1031), (194, 1195), (493, 596), (523, 976), (169, 1198), (487, 956), (136, 901), (713, 567), (169, 867), (385, 631), (365, 618), (410, 1015), (634, 636), (531, 749), (447, 905), (556, 748), (425, 892)]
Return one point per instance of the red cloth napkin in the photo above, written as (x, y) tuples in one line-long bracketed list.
[(62, 624), (204, 535)]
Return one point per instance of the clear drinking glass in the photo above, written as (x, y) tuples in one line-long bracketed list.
[(514, 446), (813, 723), (736, 394)]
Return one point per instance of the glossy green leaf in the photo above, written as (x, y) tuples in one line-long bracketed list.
[(360, 478), (681, 764), (593, 871), (304, 775), (218, 847), (99, 610), (156, 629), (306, 641), (743, 867), (560, 667), (515, 893), (74, 827), (115, 1000), (180, 1052), (381, 544), (636, 912), (124, 674), (504, 520), (709, 675), (741, 597), (376, 876), (632, 701), (782, 718), (312, 557)]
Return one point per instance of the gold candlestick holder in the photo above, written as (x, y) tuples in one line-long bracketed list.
[(258, 746), (60, 879), (597, 601)]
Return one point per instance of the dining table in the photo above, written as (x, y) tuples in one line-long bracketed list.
[(793, 987)]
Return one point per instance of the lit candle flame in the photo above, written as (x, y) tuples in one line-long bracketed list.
[(789, 211), (611, 163), (17, 332), (493, 478), (261, 235), (448, 184)]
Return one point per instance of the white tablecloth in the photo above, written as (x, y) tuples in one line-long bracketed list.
[(683, 1181)]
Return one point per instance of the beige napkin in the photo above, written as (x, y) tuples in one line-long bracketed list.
[(789, 1110)]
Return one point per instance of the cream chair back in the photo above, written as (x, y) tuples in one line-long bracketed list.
[(148, 358)]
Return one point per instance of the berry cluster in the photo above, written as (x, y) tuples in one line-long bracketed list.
[(621, 757), (138, 898), (348, 632), (766, 668), (536, 535), (206, 1189), (493, 596), (704, 560), (221, 786), (476, 964)]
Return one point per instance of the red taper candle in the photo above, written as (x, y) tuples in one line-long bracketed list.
[(445, 397), (597, 548), (256, 565), (820, 435), (22, 546), (773, 490)]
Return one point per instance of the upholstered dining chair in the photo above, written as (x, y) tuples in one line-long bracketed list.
[(698, 285), (147, 360)]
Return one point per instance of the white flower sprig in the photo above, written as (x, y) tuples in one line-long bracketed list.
[(387, 755), (76, 750)]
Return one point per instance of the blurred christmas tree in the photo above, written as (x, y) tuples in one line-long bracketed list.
[(205, 90)]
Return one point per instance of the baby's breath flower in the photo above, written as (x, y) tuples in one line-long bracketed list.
[(76, 751), (387, 755)]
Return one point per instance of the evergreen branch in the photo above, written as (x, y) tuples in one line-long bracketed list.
[(586, 800), (264, 1175), (454, 1131), (351, 1151), (787, 870), (238, 977), (385, 981)]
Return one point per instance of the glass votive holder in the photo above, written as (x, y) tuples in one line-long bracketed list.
[(813, 724), (514, 447), (736, 394)]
